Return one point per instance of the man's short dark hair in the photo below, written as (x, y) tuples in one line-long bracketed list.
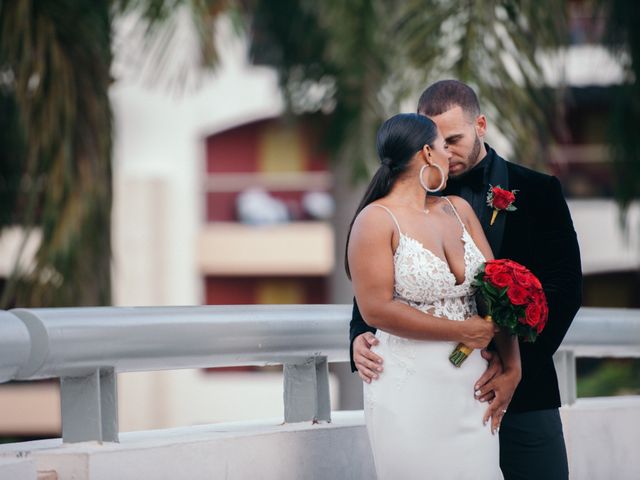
[(447, 94)]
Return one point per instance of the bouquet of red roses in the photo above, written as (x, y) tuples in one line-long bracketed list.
[(511, 296)]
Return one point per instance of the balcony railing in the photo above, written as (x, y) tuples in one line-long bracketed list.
[(86, 347)]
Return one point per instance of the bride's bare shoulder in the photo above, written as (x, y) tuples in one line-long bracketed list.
[(465, 210), (374, 219), (459, 202)]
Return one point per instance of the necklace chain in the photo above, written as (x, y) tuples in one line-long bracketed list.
[(426, 209)]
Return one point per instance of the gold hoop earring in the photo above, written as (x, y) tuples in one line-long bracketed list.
[(424, 184)]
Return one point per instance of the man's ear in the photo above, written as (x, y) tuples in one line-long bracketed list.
[(481, 125)]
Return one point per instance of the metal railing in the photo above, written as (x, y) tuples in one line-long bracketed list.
[(87, 347), (596, 332)]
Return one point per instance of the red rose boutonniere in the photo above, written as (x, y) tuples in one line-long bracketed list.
[(500, 199)]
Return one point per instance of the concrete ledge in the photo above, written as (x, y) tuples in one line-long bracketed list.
[(18, 469), (602, 436), (241, 450)]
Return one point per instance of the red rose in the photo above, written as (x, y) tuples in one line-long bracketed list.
[(517, 294), (501, 280), (544, 314), (539, 308), (541, 326), (525, 279), (502, 198), (493, 267), (536, 283), (533, 314), (517, 267), (538, 297)]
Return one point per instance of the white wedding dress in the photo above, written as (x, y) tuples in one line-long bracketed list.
[(421, 415)]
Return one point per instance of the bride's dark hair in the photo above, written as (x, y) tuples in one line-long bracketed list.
[(398, 140)]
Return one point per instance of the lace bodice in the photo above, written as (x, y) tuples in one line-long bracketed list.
[(425, 281)]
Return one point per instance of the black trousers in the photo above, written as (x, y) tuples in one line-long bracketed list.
[(532, 446)]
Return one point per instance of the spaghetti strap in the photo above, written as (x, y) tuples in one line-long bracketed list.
[(455, 211), (390, 213)]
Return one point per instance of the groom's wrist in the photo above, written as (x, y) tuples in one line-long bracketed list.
[(514, 372)]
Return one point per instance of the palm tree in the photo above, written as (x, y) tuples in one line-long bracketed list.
[(55, 63)]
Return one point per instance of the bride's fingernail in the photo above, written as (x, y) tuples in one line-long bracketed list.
[(477, 393)]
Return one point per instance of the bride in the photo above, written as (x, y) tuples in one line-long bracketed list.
[(412, 258)]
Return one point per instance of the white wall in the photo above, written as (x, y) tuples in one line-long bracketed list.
[(604, 246), (159, 162)]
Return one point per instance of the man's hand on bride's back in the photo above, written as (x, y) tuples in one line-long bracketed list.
[(369, 364), (477, 332)]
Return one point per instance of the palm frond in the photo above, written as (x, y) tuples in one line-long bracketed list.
[(55, 63), (177, 39), (338, 48), (623, 39), (60, 54)]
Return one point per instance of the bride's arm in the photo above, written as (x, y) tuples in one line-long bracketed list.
[(370, 255)]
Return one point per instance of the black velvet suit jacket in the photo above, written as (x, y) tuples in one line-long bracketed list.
[(539, 235)]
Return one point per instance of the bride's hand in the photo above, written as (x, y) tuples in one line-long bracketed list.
[(477, 332), (503, 386)]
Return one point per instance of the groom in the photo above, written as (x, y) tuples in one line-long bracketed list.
[(539, 235)]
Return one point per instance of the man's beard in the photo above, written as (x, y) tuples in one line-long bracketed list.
[(475, 152), (472, 158)]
